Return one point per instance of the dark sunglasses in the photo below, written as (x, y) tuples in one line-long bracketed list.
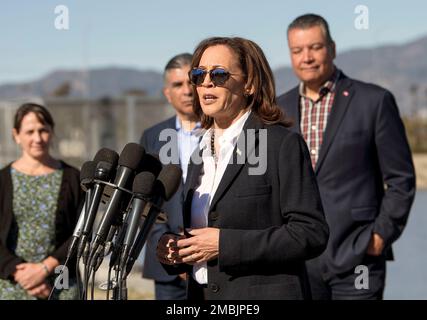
[(218, 76)]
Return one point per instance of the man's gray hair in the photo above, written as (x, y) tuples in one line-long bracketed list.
[(179, 61)]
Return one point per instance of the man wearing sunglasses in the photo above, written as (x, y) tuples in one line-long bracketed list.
[(362, 163), (182, 131)]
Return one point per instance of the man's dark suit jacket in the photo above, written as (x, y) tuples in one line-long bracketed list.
[(173, 208), (364, 171), (269, 223)]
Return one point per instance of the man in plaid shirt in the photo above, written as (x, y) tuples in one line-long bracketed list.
[(361, 159)]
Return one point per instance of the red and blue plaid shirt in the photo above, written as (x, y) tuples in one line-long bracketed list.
[(314, 115)]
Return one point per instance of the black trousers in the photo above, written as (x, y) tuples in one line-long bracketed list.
[(365, 282), (172, 290)]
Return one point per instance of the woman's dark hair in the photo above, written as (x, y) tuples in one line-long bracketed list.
[(41, 113), (257, 73)]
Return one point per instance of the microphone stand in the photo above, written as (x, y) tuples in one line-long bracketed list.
[(92, 259), (139, 243), (118, 257), (115, 261), (123, 259)]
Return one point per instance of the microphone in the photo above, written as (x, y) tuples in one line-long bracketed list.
[(86, 180), (142, 189), (106, 161), (164, 188), (151, 163), (102, 173), (129, 161), (87, 174), (105, 154)]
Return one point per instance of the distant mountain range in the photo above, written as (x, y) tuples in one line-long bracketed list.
[(399, 68), (93, 84)]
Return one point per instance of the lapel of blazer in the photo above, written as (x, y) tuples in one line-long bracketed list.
[(171, 124), (193, 175), (239, 157), (294, 111), (193, 171), (343, 96)]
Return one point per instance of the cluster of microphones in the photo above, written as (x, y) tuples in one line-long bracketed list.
[(123, 199)]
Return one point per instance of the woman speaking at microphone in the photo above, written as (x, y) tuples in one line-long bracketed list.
[(40, 199), (250, 225)]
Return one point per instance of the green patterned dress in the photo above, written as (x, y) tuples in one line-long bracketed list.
[(35, 201)]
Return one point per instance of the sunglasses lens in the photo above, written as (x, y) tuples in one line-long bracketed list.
[(197, 76), (219, 76)]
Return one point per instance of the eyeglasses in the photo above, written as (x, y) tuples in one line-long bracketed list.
[(218, 76)]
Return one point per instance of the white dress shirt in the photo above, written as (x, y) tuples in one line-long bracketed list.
[(210, 177)]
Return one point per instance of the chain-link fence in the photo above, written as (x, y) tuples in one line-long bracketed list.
[(82, 127)]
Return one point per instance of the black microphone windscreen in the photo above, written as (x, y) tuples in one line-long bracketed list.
[(87, 172), (107, 155), (131, 155), (169, 178), (150, 162), (104, 170), (143, 183)]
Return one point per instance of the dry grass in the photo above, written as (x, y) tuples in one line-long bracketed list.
[(420, 162)]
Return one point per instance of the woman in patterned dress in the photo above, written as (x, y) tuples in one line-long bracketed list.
[(40, 198)]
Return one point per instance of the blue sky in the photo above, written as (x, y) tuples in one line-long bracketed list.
[(145, 34)]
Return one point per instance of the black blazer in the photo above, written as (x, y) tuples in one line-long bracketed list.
[(364, 148), (269, 223), (70, 201), (152, 268)]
